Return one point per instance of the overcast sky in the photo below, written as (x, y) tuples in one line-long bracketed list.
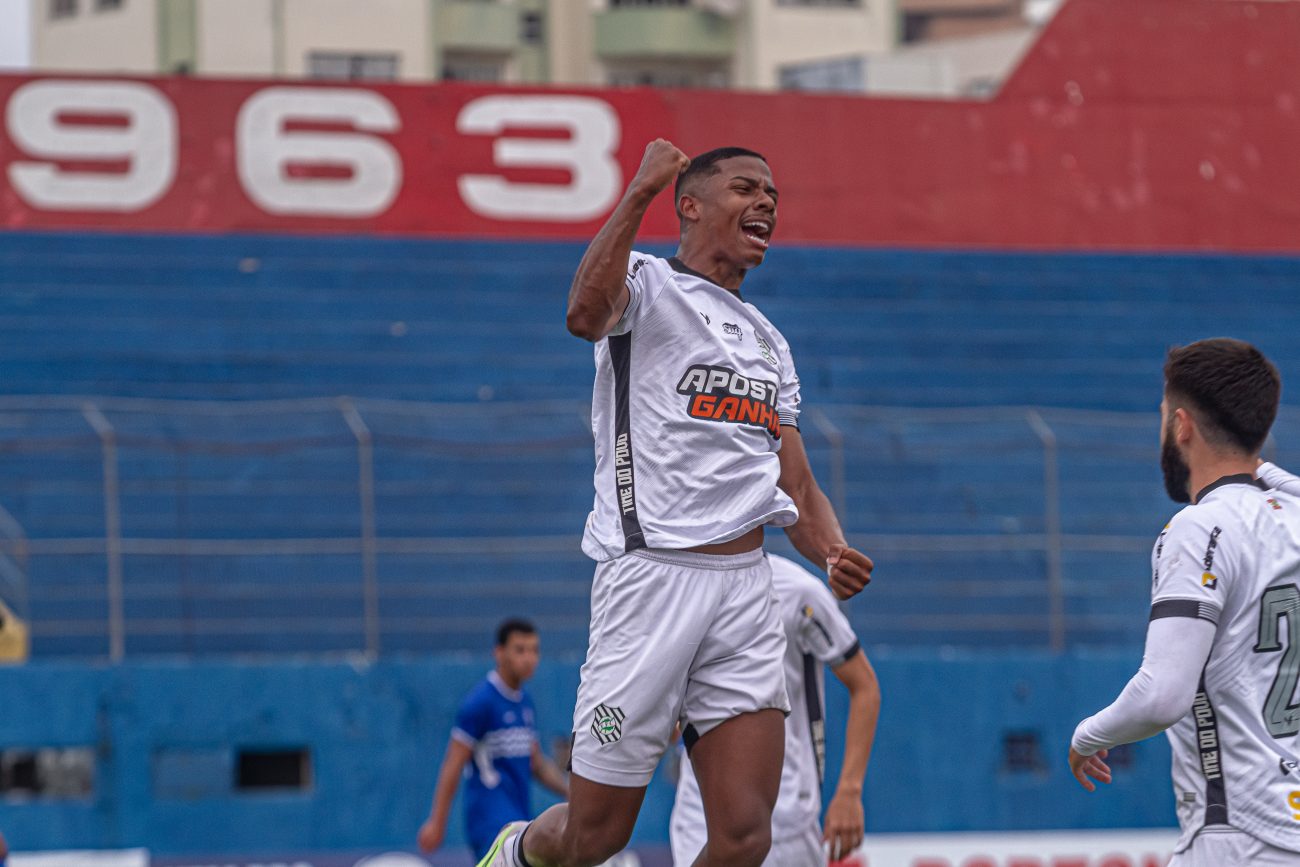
[(15, 48)]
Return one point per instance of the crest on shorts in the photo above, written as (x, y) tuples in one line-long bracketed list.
[(607, 727)]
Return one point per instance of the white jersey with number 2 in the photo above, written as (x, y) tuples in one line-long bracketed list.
[(1233, 559)]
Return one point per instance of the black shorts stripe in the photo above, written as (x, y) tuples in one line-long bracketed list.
[(816, 718), (620, 355), (1184, 608)]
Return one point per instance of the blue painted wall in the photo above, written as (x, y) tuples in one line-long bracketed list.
[(165, 734), (242, 317)]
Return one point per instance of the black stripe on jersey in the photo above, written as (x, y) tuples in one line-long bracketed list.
[(1184, 608), (822, 629), (848, 654), (620, 355), (1207, 738), (816, 718)]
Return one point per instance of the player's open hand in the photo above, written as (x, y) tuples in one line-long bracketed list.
[(1090, 766), (660, 166), (848, 569), (430, 836), (844, 825)]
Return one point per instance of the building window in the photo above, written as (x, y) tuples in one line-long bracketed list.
[(63, 8), (840, 74), (670, 75), (107, 5), (344, 66), (472, 68), (614, 4), (531, 26), (47, 772)]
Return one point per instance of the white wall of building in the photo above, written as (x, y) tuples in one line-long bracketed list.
[(401, 27), (234, 37), (116, 40), (777, 36)]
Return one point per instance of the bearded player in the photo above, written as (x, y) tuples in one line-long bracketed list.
[(695, 415), (1223, 643)]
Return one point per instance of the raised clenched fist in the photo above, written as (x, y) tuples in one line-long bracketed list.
[(660, 166)]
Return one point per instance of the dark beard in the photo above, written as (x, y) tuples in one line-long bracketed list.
[(1178, 475)]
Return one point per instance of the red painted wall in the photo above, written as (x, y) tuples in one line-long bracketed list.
[(1159, 124)]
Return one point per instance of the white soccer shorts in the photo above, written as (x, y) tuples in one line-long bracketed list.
[(1222, 846), (674, 636)]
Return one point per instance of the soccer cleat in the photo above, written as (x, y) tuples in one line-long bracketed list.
[(497, 855)]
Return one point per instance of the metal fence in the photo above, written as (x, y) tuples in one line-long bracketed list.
[(333, 525)]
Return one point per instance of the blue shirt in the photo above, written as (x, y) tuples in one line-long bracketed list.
[(498, 724)]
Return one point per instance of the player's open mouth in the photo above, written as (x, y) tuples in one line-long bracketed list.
[(757, 231)]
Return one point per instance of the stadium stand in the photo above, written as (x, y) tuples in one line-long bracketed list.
[(949, 497)]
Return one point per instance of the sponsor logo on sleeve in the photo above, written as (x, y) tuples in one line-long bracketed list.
[(1160, 550), (1208, 578), (721, 394), (731, 329)]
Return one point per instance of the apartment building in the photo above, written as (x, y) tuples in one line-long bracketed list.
[(765, 44)]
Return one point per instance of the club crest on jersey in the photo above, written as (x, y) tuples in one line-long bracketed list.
[(765, 350), (721, 394), (607, 727)]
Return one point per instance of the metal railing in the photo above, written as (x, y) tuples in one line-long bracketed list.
[(350, 524)]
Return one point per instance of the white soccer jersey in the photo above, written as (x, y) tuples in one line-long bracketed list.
[(817, 634), (691, 389), (1233, 559)]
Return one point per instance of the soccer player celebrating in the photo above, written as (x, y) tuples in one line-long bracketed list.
[(494, 744), (816, 633), (695, 415), (1223, 642)]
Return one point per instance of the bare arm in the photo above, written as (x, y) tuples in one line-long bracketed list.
[(817, 533), (453, 764), (548, 773), (599, 294), (844, 816)]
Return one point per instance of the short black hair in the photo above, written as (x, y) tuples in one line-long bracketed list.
[(510, 626), (707, 164), (1230, 386)]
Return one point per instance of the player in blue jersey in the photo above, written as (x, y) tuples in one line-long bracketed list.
[(493, 745)]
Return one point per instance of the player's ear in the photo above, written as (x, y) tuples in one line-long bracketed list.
[(1184, 426), (688, 208)]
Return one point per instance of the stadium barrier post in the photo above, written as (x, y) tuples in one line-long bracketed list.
[(839, 477), (112, 528), (369, 544), (1051, 529)]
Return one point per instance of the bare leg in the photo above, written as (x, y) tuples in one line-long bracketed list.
[(738, 766), (591, 828)]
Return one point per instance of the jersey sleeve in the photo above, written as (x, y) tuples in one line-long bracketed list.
[(646, 277), (824, 632), (788, 397), (1194, 563), (473, 719), (1279, 479)]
